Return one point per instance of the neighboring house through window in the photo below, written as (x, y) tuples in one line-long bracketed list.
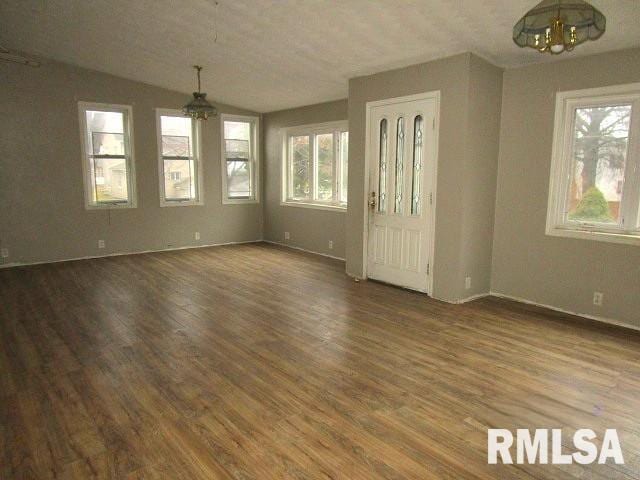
[(179, 166), (240, 163), (595, 175), (107, 155), (315, 165)]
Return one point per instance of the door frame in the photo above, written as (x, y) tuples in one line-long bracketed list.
[(432, 95)]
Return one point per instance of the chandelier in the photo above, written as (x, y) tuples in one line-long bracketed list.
[(199, 108), (557, 25)]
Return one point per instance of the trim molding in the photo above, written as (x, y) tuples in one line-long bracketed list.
[(303, 249), (118, 254), (472, 298), (596, 318)]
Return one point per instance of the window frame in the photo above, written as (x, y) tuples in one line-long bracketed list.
[(196, 130), (254, 162), (127, 112), (562, 166), (312, 130)]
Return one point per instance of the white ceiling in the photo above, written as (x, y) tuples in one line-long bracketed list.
[(276, 54)]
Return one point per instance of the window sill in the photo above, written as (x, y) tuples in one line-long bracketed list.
[(239, 201), (178, 203), (317, 206), (109, 206), (624, 238)]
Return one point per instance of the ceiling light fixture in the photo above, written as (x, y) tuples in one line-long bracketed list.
[(557, 25), (199, 108)]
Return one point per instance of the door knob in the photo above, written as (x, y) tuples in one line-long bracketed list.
[(372, 202)]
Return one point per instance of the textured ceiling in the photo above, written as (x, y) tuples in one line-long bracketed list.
[(276, 54)]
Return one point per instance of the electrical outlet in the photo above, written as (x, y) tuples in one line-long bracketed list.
[(196, 235), (287, 236), (598, 297), (4, 253), (100, 243), (330, 244), (467, 283)]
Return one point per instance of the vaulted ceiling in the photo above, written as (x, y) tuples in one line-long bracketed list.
[(276, 54)]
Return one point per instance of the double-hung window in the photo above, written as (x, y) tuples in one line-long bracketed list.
[(315, 165), (107, 155), (595, 174), (240, 162), (180, 165)]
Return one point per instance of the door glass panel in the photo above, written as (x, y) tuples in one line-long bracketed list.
[(399, 183), (382, 175), (417, 166)]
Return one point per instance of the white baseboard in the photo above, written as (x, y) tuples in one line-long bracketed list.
[(597, 318), (303, 249), (118, 254), (472, 298)]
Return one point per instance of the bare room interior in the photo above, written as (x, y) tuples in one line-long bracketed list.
[(320, 239)]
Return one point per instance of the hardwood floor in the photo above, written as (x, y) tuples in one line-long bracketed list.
[(254, 361)]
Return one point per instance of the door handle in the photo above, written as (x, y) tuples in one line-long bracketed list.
[(372, 202)]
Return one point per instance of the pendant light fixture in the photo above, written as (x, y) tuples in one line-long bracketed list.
[(556, 26), (199, 108)]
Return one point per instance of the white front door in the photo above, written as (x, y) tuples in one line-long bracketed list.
[(401, 156)]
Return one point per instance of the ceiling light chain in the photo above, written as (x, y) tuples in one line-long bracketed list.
[(199, 108)]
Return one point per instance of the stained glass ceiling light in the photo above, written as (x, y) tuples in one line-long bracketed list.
[(557, 25), (199, 108)]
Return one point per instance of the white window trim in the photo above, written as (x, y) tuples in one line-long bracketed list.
[(560, 172), (310, 130), (197, 143), (127, 110), (255, 160)]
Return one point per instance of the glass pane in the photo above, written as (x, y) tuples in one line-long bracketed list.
[(599, 156), (237, 149), (179, 180), (417, 166), (103, 143), (109, 179), (399, 183), (344, 165), (237, 131), (324, 172), (300, 168), (174, 146), (238, 179), (176, 136), (382, 170), (112, 122), (106, 132)]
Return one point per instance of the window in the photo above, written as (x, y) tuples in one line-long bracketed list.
[(107, 155), (179, 159), (595, 175), (239, 159), (315, 165)]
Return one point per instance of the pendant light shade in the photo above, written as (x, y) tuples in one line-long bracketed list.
[(556, 26), (199, 108)]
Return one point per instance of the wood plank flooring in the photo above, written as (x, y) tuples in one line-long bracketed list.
[(258, 362)]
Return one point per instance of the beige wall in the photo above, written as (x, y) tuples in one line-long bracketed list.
[(311, 229), (560, 272), (480, 172), (41, 186), (470, 89)]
